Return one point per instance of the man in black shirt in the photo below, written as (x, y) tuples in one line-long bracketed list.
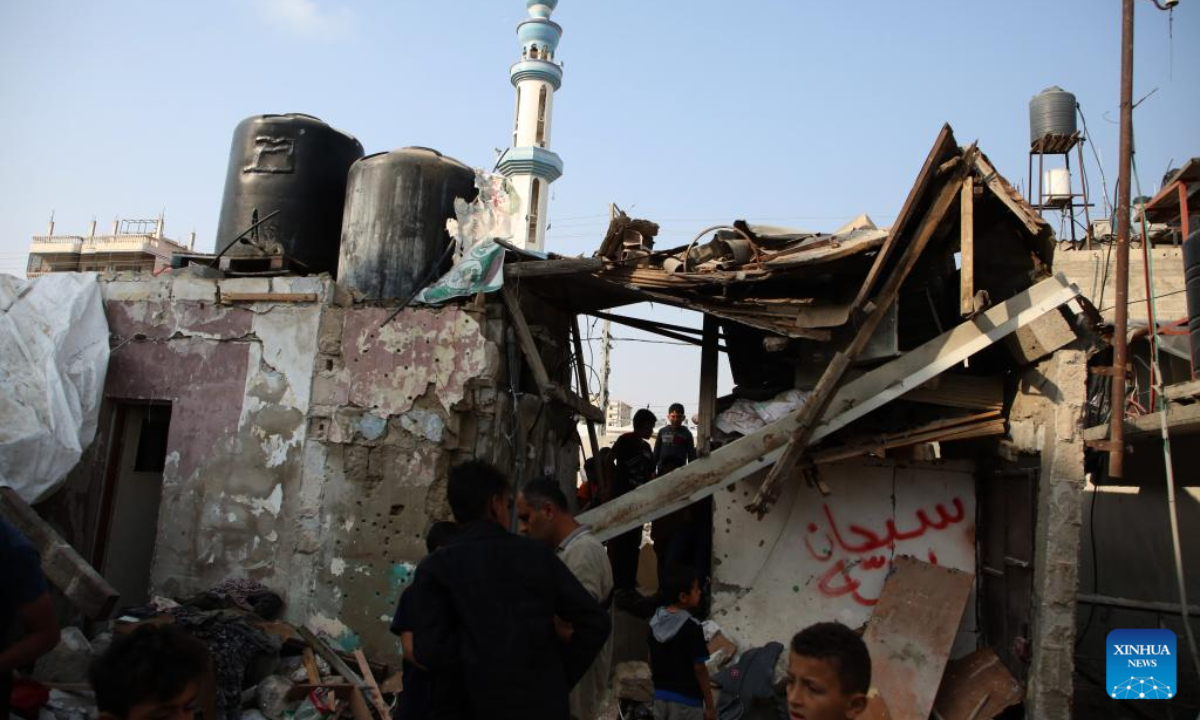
[(483, 609), (634, 467)]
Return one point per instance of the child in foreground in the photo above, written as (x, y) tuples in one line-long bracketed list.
[(154, 673), (829, 673), (682, 690)]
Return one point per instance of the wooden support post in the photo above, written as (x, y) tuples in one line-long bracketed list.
[(546, 387), (818, 401), (581, 377), (372, 691), (61, 564), (966, 295), (708, 386)]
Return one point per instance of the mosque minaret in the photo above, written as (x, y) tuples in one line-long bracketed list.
[(529, 163)]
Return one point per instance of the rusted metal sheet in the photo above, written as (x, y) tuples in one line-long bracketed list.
[(912, 631), (977, 687)]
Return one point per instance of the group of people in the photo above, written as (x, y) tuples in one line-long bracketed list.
[(496, 624), (505, 625)]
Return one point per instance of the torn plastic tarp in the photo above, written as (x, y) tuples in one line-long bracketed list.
[(53, 359), (747, 416), (478, 260)]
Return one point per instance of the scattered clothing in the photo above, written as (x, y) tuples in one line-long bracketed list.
[(676, 647), (587, 560), (243, 594), (749, 684), (484, 605), (234, 643), (674, 442)]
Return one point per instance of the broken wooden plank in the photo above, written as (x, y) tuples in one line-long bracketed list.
[(61, 564), (553, 268), (373, 693), (971, 392), (911, 631), (247, 297), (525, 341), (749, 454), (573, 402), (818, 402), (708, 386), (1182, 391), (1181, 419), (310, 666), (979, 684), (966, 275), (340, 667)]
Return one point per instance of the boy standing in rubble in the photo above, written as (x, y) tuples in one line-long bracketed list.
[(678, 653), (675, 442), (634, 467)]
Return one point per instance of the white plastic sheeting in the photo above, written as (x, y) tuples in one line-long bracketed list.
[(53, 358)]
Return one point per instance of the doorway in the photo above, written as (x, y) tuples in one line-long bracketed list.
[(133, 480)]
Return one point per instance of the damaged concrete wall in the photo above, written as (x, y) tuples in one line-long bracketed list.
[(824, 557), (308, 446)]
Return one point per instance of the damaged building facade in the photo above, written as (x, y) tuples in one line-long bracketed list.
[(905, 450)]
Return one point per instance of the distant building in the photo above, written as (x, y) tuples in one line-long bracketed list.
[(620, 415), (133, 245)]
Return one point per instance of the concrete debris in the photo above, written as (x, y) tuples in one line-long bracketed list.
[(270, 697), (632, 681), (68, 662)]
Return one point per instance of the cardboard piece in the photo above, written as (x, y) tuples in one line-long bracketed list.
[(911, 632)]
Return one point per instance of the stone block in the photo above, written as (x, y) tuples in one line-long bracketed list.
[(153, 289), (632, 681), (192, 289), (329, 331), (244, 285)]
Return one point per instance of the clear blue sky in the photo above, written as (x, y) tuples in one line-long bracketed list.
[(689, 113)]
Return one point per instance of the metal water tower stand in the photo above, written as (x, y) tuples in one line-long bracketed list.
[(1065, 204)]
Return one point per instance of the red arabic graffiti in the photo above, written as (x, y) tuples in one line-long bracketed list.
[(837, 580)]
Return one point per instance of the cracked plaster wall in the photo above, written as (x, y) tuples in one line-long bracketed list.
[(308, 447)]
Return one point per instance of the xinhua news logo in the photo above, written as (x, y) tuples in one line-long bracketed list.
[(1141, 664)]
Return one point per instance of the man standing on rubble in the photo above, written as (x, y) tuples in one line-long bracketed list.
[(634, 467), (484, 607), (25, 599), (542, 510)]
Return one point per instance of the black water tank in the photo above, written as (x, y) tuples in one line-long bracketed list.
[(297, 165), (394, 230), (1191, 274)]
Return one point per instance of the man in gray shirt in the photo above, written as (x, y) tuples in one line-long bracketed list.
[(542, 510)]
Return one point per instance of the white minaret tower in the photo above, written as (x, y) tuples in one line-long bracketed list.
[(529, 163)]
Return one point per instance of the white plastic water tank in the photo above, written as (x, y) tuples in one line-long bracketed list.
[(1056, 184)]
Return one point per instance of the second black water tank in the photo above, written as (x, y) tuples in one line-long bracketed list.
[(394, 230), (294, 164)]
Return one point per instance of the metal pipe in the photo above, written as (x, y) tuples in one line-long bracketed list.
[(1144, 605), (1116, 462)]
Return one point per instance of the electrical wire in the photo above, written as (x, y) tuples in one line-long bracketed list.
[(1099, 165)]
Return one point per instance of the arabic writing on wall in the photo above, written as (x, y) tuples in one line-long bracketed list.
[(857, 550)]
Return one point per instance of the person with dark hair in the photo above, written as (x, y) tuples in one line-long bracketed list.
[(542, 510), (634, 467), (674, 441), (484, 606), (828, 673), (24, 599), (154, 673), (416, 702), (678, 653)]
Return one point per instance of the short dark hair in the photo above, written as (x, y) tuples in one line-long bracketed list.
[(440, 533), (472, 485), (844, 649), (545, 490), (676, 581), (152, 663), (675, 406), (644, 416)]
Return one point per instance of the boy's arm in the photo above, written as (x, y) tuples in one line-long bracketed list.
[(710, 708)]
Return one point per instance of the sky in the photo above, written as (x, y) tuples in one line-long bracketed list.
[(686, 113)]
